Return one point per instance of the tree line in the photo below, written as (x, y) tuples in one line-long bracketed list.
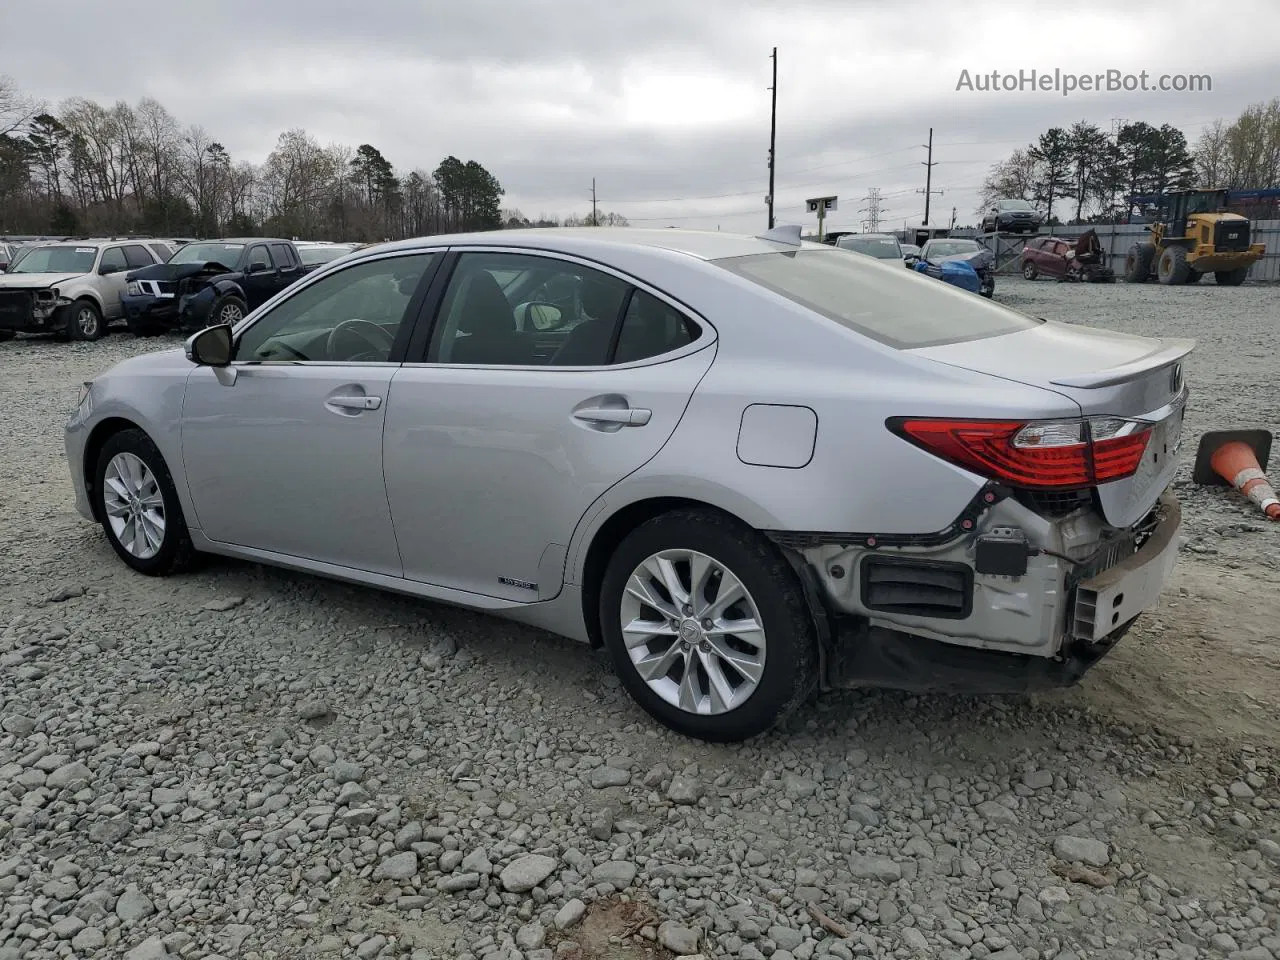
[(1083, 174), (86, 168)]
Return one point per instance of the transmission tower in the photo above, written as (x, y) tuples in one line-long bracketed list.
[(873, 210)]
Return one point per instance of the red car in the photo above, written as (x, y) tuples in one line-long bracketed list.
[(1047, 256)]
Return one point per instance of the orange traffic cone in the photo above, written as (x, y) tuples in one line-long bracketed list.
[(1234, 456)]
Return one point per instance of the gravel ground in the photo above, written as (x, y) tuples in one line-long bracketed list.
[(248, 763)]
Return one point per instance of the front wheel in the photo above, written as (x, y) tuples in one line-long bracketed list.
[(138, 506), (84, 321), (228, 309), (707, 626), (1029, 271), (1137, 262)]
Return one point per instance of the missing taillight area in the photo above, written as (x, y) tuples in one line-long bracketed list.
[(1034, 455)]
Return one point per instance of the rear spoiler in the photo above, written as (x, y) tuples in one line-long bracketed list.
[(1169, 351)]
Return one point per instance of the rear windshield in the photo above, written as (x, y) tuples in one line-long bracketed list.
[(312, 255), (882, 248), (894, 306)]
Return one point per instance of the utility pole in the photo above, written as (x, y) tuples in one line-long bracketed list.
[(872, 222), (594, 221), (773, 131), (953, 220), (928, 177)]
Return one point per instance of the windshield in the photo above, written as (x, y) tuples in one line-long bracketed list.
[(894, 306), (949, 248), (1014, 205), (882, 248), (56, 259), (312, 255), (224, 253)]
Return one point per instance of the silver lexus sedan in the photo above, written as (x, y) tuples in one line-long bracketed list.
[(749, 466)]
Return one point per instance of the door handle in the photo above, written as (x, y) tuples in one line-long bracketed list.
[(355, 403), (626, 416)]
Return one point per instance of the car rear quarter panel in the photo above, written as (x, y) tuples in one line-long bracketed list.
[(861, 477)]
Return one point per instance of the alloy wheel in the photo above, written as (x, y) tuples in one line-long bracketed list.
[(134, 505), (87, 321), (230, 314), (693, 632)]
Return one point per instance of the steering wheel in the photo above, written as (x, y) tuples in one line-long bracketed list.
[(366, 330)]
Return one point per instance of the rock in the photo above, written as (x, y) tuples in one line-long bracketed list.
[(531, 936), (525, 873), (17, 725), (863, 814), (1083, 849), (344, 771), (914, 940), (477, 861), (399, 866), (314, 710), (620, 873), (1054, 897), (1038, 779), (67, 927), (684, 791), (133, 905), (322, 755), (223, 604), (678, 938), (996, 812), (151, 948), (1029, 908), (785, 937), (797, 787), (73, 775), (88, 940), (874, 868), (603, 777), (570, 914)]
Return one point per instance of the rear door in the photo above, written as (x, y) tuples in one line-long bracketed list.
[(288, 267), (494, 450)]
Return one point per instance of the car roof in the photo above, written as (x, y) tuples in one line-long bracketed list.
[(244, 240), (868, 236), (699, 244)]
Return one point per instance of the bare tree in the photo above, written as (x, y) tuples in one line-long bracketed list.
[(16, 108)]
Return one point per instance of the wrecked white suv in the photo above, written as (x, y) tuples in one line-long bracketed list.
[(71, 287)]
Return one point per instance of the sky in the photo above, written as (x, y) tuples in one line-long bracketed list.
[(665, 103)]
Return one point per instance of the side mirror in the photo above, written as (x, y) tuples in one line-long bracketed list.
[(258, 267), (108, 268), (211, 347)]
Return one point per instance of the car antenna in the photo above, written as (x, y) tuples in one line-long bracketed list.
[(785, 233)]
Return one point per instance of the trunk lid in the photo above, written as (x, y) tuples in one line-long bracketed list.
[(1106, 374)]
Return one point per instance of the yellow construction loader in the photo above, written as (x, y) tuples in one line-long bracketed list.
[(1195, 235)]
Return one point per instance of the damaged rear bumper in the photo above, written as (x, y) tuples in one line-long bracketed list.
[(935, 617)]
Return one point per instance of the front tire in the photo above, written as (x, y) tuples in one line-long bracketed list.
[(1173, 269), (228, 309), (84, 321), (139, 508), (707, 626), (1029, 271)]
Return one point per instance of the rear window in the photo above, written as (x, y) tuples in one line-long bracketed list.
[(886, 303)]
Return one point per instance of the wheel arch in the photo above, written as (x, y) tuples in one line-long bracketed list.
[(227, 287), (98, 437)]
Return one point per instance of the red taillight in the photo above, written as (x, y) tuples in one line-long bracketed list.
[(1038, 455)]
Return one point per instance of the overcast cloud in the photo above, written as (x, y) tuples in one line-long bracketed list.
[(658, 100)]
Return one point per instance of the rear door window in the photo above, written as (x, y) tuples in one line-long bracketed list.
[(895, 307), (137, 255)]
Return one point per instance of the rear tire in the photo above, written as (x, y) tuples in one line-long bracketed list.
[(141, 515), (1137, 263), (1231, 278), (1029, 271), (778, 660), (84, 321), (1173, 268)]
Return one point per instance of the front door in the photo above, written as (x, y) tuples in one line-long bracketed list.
[(283, 450), (495, 450), (261, 276), (111, 284)]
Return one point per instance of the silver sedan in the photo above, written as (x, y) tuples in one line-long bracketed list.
[(750, 467)]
